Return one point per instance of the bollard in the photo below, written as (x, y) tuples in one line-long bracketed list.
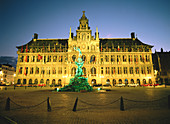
[(75, 105), (169, 101), (5, 88), (7, 107), (48, 105), (25, 87), (14, 87), (121, 104)]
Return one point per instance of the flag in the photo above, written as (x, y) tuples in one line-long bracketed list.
[(131, 59), (26, 48), (39, 57), (26, 58), (19, 70), (21, 49), (118, 48), (101, 47), (43, 47), (25, 71), (54, 47)]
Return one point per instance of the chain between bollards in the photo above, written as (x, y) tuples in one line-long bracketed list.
[(48, 105), (75, 105), (121, 104), (7, 107)]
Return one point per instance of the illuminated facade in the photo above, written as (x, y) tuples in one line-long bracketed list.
[(107, 60)]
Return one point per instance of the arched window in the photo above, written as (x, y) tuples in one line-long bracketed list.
[(120, 81), (93, 81), (132, 81), (35, 81), (73, 71), (144, 81), (93, 71), (138, 81), (30, 81), (53, 81), (41, 81), (73, 58), (59, 82), (107, 81), (47, 82), (84, 71), (92, 59), (19, 81), (83, 58), (24, 81), (114, 82)]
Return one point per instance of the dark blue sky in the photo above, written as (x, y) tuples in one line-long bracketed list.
[(20, 19)]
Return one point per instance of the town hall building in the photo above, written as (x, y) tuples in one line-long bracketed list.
[(106, 60)]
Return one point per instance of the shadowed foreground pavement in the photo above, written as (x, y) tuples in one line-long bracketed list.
[(142, 105)]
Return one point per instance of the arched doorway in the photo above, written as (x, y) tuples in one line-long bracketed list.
[(41, 81), (144, 81), (24, 81), (47, 82), (30, 81), (114, 82), (150, 81), (19, 81), (36, 81), (53, 82), (93, 81), (107, 81), (126, 82), (138, 82), (59, 82), (132, 81), (120, 81)]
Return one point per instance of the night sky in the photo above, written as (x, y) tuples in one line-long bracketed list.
[(20, 19)]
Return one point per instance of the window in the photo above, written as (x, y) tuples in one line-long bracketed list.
[(131, 70), (137, 70), (113, 70), (112, 58), (38, 60), (107, 70), (124, 58), (93, 71), (101, 58), (101, 70), (73, 58), (48, 58), (149, 70), (37, 70), (59, 70), (143, 70), (107, 58), (130, 58), (65, 70), (21, 58), (118, 58), (48, 70), (54, 70), (125, 70), (42, 70), (20, 70), (73, 71), (54, 58), (31, 70), (60, 58), (135, 58), (33, 59), (119, 70)]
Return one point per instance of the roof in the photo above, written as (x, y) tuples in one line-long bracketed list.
[(127, 42)]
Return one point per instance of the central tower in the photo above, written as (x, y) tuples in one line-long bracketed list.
[(84, 39)]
